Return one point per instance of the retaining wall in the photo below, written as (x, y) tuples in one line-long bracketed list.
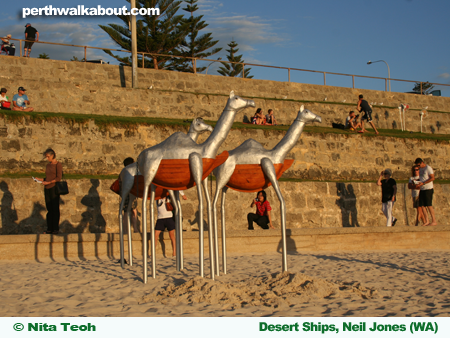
[(92, 207), (86, 88)]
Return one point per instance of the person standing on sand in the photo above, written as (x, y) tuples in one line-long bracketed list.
[(388, 192), (364, 106), (413, 180), (426, 178), (165, 220), (53, 174)]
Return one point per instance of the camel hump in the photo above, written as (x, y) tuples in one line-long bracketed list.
[(250, 144), (177, 139)]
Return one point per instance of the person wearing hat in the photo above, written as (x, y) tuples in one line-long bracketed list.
[(31, 35), (4, 98), (20, 101), (5, 42), (388, 192)]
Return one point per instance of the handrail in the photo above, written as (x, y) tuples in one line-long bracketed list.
[(244, 64)]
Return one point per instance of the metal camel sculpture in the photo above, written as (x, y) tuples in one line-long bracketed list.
[(250, 168), (130, 187), (178, 163)]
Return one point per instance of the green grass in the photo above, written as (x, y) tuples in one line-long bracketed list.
[(106, 121)]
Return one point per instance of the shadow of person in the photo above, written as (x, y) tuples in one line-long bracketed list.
[(8, 211), (290, 243), (347, 204), (35, 223), (93, 215), (196, 221)]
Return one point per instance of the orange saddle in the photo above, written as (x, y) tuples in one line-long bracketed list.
[(251, 178), (176, 174)]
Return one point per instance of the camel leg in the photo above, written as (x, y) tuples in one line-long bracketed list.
[(177, 225), (144, 231), (122, 202), (223, 174), (180, 234), (130, 244), (212, 235), (152, 228), (224, 240), (269, 171), (180, 222), (196, 166)]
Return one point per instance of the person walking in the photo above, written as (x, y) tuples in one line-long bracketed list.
[(388, 193), (53, 174), (31, 35), (412, 184), (364, 106), (426, 178)]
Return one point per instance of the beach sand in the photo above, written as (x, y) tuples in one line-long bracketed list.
[(403, 283)]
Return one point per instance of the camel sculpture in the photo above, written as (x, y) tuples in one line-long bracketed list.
[(178, 163), (250, 168), (130, 187)]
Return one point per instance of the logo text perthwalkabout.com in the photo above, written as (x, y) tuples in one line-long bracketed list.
[(81, 10)]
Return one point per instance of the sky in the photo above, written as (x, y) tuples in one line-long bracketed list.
[(322, 35)]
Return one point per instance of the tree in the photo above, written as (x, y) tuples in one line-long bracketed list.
[(156, 34), (194, 45), (74, 58), (233, 69), (426, 88), (43, 56)]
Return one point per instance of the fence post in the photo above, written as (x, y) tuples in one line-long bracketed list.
[(353, 80), (421, 88), (243, 70), (195, 66), (324, 79), (84, 53), (143, 65), (21, 49), (289, 74)]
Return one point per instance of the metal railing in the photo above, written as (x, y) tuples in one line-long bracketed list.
[(244, 64)]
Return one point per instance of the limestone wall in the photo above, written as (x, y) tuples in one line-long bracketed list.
[(92, 207), (77, 87), (85, 149)]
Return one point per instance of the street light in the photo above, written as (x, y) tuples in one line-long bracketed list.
[(389, 72), (206, 73)]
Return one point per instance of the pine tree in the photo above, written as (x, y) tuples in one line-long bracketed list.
[(43, 56), (158, 34), (194, 45), (233, 69), (426, 88)]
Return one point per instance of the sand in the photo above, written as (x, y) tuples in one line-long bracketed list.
[(404, 283)]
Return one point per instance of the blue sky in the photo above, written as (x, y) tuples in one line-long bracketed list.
[(325, 35)]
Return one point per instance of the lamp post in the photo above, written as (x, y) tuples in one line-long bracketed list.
[(134, 47), (206, 73), (389, 72)]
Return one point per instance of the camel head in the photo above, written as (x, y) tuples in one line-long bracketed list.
[(237, 103), (199, 126), (307, 116)]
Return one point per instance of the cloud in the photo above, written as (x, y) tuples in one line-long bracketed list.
[(444, 76)]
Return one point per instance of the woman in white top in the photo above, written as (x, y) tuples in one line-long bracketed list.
[(165, 220), (413, 180)]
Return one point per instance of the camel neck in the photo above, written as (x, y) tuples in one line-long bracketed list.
[(219, 134), (289, 140)]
